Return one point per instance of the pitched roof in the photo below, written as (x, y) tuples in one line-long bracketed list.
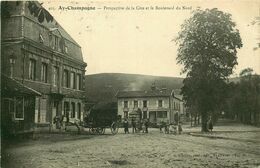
[(150, 93), (178, 97), (74, 47), (11, 86), (51, 23)]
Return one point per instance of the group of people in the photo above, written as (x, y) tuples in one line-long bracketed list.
[(142, 126), (136, 126), (170, 128), (63, 121), (59, 121)]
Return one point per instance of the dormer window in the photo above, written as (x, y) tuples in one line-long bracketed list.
[(56, 42), (41, 38), (66, 49)]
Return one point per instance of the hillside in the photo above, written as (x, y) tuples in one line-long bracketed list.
[(103, 87)]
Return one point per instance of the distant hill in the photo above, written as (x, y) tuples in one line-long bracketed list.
[(103, 87)]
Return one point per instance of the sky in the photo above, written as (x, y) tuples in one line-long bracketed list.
[(139, 40)]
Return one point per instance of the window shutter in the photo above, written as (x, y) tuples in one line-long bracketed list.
[(157, 103), (147, 103), (122, 103)]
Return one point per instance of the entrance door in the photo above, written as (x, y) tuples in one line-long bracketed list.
[(55, 109), (152, 116)]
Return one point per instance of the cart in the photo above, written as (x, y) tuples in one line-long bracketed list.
[(99, 125)]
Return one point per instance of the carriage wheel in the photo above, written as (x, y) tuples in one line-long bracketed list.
[(114, 128), (100, 130)]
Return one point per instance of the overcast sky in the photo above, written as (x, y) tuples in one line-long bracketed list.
[(140, 41)]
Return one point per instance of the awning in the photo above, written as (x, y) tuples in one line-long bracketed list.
[(10, 86)]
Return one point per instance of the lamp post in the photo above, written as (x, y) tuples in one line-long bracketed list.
[(12, 59)]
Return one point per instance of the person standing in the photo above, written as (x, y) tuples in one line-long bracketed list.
[(160, 126), (134, 125), (146, 126), (56, 121), (67, 120), (210, 124), (126, 126), (179, 128)]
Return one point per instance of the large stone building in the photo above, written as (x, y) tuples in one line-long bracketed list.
[(156, 105), (40, 57)]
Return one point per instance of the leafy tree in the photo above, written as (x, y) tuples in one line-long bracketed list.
[(248, 97), (246, 72), (208, 43)]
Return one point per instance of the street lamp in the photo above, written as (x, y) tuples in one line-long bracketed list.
[(12, 59)]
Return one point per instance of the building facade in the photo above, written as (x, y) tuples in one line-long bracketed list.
[(39, 54), (156, 105)]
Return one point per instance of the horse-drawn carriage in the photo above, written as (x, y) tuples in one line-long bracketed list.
[(102, 116), (99, 125)]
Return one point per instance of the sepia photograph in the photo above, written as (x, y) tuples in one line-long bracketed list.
[(130, 84)]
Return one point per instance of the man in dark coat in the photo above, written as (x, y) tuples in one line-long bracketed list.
[(210, 125), (146, 126), (133, 125), (126, 126)]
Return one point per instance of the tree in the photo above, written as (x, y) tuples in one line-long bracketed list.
[(208, 43), (248, 97)]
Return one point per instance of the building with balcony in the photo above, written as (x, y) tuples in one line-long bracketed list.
[(42, 58), (156, 105)]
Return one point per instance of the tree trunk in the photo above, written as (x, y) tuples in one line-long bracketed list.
[(191, 120), (204, 118)]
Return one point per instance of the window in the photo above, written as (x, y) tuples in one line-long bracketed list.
[(79, 110), (19, 110), (14, 108), (78, 82), (56, 42), (135, 104), (125, 104), (72, 80), (43, 110), (32, 69), (66, 78), (66, 108), (44, 72), (73, 111), (55, 76), (66, 49), (159, 103), (162, 114), (145, 103)]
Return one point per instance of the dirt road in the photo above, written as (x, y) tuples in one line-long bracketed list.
[(136, 150)]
